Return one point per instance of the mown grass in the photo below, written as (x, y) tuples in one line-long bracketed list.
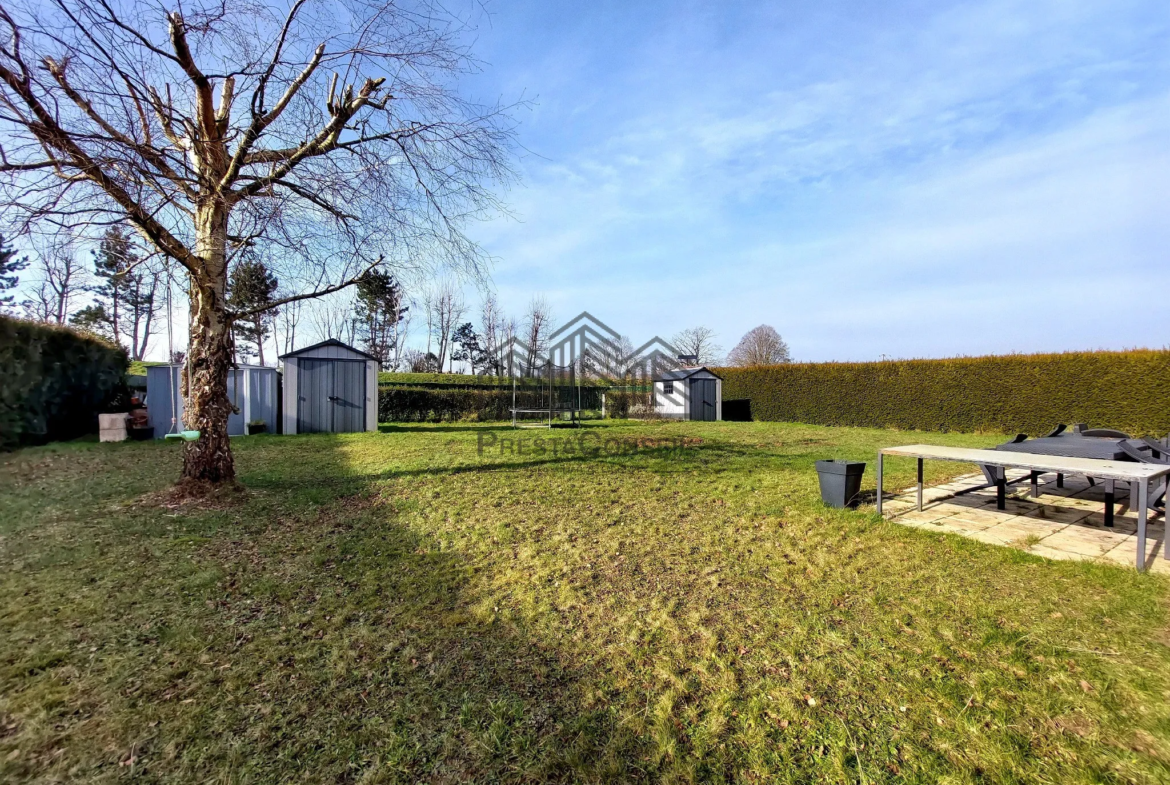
[(393, 607)]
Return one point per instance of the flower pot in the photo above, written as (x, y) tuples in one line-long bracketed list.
[(840, 482)]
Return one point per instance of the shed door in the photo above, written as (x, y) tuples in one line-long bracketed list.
[(703, 399), (331, 396), (349, 396)]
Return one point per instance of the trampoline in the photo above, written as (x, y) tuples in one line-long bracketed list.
[(548, 394)]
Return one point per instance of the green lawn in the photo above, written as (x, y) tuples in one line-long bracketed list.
[(392, 607)]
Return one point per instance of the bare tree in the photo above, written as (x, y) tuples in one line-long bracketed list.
[(328, 134), (508, 358), (287, 319), (761, 346), (446, 309), (700, 342), (490, 318), (60, 280), (538, 324), (607, 359), (333, 316)]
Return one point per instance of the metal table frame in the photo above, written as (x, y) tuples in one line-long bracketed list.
[(1138, 475)]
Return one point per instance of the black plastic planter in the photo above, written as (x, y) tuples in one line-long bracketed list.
[(840, 482)]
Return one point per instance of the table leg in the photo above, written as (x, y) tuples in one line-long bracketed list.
[(879, 483), (1000, 488), (1142, 505), (920, 485), (1035, 477), (1059, 480), (1109, 503)]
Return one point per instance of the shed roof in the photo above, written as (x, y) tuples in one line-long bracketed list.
[(328, 342), (683, 373)]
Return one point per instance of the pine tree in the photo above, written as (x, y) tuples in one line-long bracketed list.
[(127, 290), (469, 347), (9, 267), (252, 287), (379, 312), (94, 319)]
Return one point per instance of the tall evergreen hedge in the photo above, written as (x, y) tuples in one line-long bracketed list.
[(398, 403), (424, 404), (54, 381), (1026, 393)]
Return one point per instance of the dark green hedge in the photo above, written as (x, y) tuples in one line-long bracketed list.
[(443, 380), (398, 403), (1030, 394), (422, 404), (54, 382), (618, 403)]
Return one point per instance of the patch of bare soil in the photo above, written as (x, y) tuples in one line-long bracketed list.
[(188, 495)]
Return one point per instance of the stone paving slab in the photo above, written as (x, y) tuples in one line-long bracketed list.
[(1061, 523)]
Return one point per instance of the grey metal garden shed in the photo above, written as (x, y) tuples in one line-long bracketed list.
[(252, 389), (330, 387), (689, 394)]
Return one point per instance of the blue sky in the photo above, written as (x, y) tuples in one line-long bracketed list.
[(913, 179)]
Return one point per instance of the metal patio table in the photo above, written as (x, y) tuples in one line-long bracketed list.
[(1073, 445), (1138, 475)]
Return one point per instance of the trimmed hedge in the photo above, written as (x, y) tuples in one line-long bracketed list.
[(54, 381), (1129, 391), (620, 404), (443, 380), (423, 404), (445, 404), (458, 381)]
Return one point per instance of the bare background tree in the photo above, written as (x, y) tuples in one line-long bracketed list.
[(490, 319), (59, 280), (447, 309), (333, 316), (287, 319), (329, 135), (400, 334), (606, 360), (699, 341), (760, 346), (538, 325)]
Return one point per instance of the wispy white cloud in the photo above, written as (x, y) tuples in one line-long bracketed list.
[(901, 189)]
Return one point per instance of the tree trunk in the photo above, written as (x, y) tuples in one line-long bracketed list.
[(149, 318), (260, 339), (209, 458)]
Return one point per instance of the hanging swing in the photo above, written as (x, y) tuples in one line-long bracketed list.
[(174, 433)]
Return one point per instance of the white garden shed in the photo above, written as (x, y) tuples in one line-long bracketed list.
[(689, 394), (330, 387)]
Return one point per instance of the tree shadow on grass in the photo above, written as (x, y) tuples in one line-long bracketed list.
[(323, 472), (501, 425), (330, 642), (381, 660), (421, 427)]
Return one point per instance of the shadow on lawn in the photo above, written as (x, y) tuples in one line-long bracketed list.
[(430, 427), (381, 656), (325, 473)]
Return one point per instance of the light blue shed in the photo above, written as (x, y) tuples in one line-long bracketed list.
[(254, 391)]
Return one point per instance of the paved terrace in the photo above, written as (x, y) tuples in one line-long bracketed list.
[(1061, 523)]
